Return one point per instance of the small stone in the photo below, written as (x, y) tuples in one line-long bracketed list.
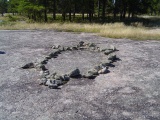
[(93, 72), (51, 85), (66, 78), (53, 47), (40, 67), (81, 43), (58, 82), (43, 81), (28, 66), (102, 65), (48, 57), (44, 62), (113, 47), (107, 52), (58, 77), (112, 57), (92, 45), (103, 49), (53, 75), (97, 68), (74, 48), (89, 75), (103, 71), (68, 48), (46, 72), (75, 73)]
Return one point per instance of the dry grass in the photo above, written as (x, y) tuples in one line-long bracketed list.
[(116, 30)]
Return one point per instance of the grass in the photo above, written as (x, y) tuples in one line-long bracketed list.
[(112, 30)]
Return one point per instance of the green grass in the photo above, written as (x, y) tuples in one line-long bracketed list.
[(135, 30)]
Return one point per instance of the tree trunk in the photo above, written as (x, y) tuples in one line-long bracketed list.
[(70, 19), (104, 10), (98, 8), (54, 9), (45, 11)]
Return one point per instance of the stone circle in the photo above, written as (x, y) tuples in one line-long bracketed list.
[(54, 80)]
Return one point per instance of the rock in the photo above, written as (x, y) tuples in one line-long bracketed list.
[(28, 66), (46, 72), (54, 53), (89, 75), (52, 76), (113, 47), (92, 48), (103, 71), (61, 49), (81, 43), (97, 68), (68, 48), (91, 45), (40, 67), (74, 48), (75, 73), (103, 49), (44, 61), (58, 77), (93, 72), (112, 57), (66, 78), (51, 85), (102, 65), (53, 47), (57, 82), (107, 52), (48, 57), (43, 81)]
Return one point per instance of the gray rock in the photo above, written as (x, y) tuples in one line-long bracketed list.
[(103, 70), (112, 57), (53, 47), (28, 66), (89, 75), (103, 49), (48, 57), (57, 82), (43, 81), (46, 72), (66, 78), (97, 68), (81, 43), (93, 72), (75, 73), (51, 85), (74, 48), (52, 76), (92, 45), (58, 77), (113, 47), (68, 48), (40, 67), (107, 52)]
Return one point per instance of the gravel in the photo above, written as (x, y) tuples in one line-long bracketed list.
[(129, 91)]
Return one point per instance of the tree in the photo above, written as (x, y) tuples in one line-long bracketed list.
[(3, 7)]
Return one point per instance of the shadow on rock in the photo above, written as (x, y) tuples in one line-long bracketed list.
[(2, 52)]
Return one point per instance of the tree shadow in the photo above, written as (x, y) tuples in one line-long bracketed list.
[(2, 52)]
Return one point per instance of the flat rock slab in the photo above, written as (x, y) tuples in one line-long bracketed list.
[(130, 91)]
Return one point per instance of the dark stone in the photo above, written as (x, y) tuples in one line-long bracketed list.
[(75, 73), (28, 66)]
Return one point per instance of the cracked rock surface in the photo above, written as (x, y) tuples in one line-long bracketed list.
[(130, 91)]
